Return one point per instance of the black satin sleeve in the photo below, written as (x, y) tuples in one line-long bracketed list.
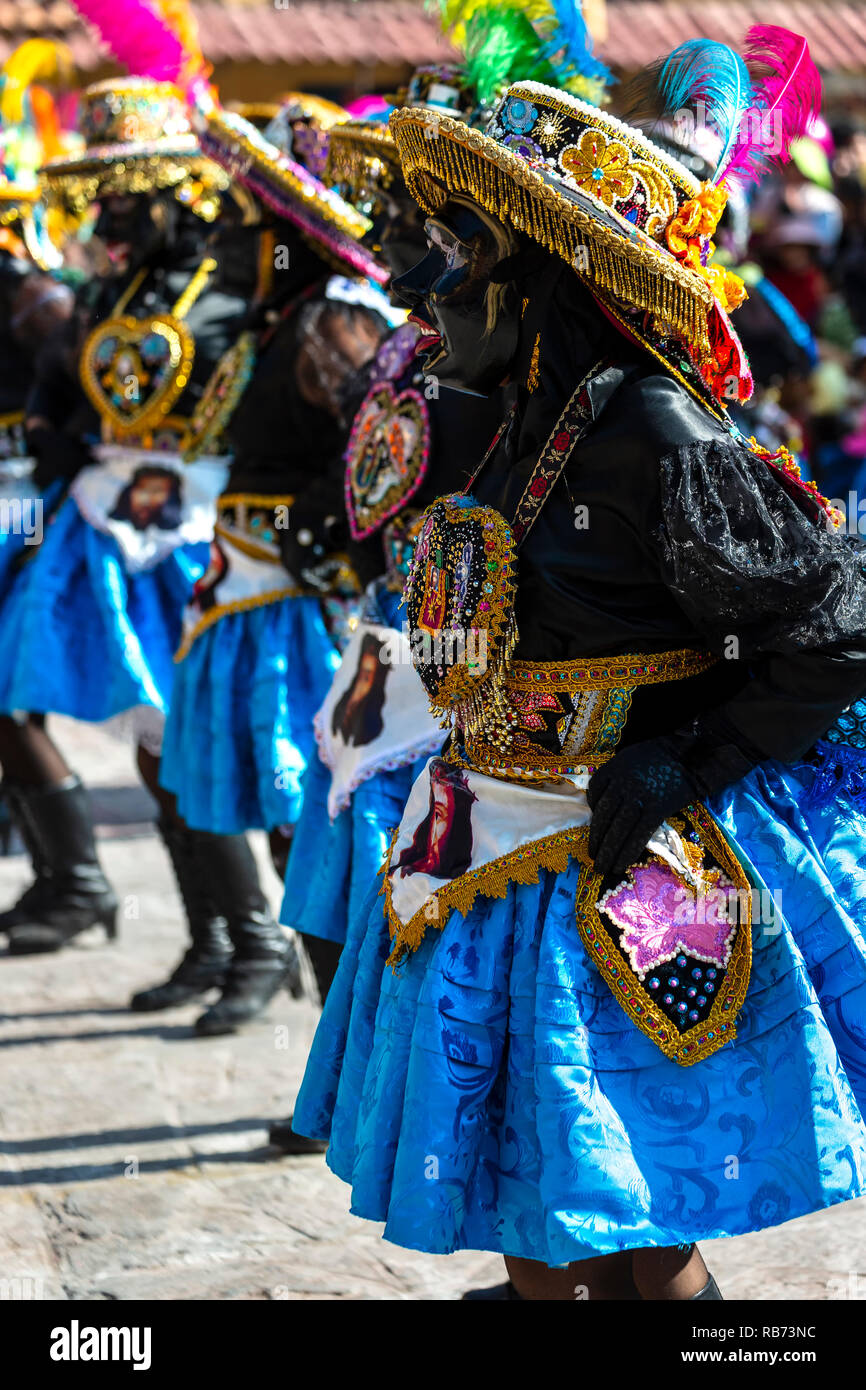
[(758, 569)]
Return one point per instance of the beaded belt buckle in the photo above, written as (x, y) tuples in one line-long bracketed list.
[(250, 521)]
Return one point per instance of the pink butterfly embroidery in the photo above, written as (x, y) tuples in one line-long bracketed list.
[(660, 916)]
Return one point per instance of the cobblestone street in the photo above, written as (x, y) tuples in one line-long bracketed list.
[(133, 1155)]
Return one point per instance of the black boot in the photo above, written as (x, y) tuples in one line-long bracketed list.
[(497, 1293), (205, 963), (7, 823), (324, 957), (13, 800), (283, 1137), (71, 893), (709, 1291), (264, 959)]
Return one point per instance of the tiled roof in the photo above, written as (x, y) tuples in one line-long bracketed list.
[(364, 33), (297, 32), (309, 31), (640, 30)]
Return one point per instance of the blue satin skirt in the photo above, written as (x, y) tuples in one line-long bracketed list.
[(240, 728), (492, 1095), (82, 637), (332, 863)]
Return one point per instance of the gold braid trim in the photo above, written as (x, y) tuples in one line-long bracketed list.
[(554, 852), (238, 605), (521, 865), (608, 673), (459, 160), (194, 288)]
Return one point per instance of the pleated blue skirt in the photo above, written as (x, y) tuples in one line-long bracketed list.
[(80, 636), (492, 1095), (332, 863), (240, 728)]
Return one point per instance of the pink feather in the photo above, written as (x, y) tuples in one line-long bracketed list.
[(137, 37), (787, 88)]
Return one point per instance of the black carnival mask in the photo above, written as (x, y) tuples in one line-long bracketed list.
[(470, 327)]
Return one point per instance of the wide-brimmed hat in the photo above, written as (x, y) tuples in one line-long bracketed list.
[(363, 160), (588, 188), (632, 221), (137, 138), (281, 174)]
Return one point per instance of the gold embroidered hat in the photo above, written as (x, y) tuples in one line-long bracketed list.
[(137, 138), (590, 189), (624, 212), (284, 167), (362, 156)]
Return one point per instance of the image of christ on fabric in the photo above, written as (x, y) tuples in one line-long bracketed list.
[(152, 498), (357, 716), (442, 843)]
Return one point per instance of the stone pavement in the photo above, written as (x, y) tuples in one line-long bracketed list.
[(133, 1155)]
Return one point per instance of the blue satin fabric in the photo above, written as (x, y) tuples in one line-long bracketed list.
[(240, 728), (492, 1095), (82, 637), (331, 864)]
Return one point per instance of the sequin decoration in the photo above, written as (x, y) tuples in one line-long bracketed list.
[(221, 396), (133, 370), (387, 456), (675, 950), (460, 597)]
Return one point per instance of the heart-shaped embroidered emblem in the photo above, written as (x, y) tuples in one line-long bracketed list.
[(386, 460), (133, 370)]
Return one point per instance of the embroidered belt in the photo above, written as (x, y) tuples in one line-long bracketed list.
[(250, 521), (169, 436), (558, 718)]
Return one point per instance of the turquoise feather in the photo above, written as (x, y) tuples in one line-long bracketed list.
[(709, 73)]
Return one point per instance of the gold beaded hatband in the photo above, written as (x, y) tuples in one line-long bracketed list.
[(138, 139), (591, 190), (582, 705)]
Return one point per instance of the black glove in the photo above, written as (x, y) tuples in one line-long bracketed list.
[(629, 797), (641, 786)]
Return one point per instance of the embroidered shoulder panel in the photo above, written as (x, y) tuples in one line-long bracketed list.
[(387, 456)]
